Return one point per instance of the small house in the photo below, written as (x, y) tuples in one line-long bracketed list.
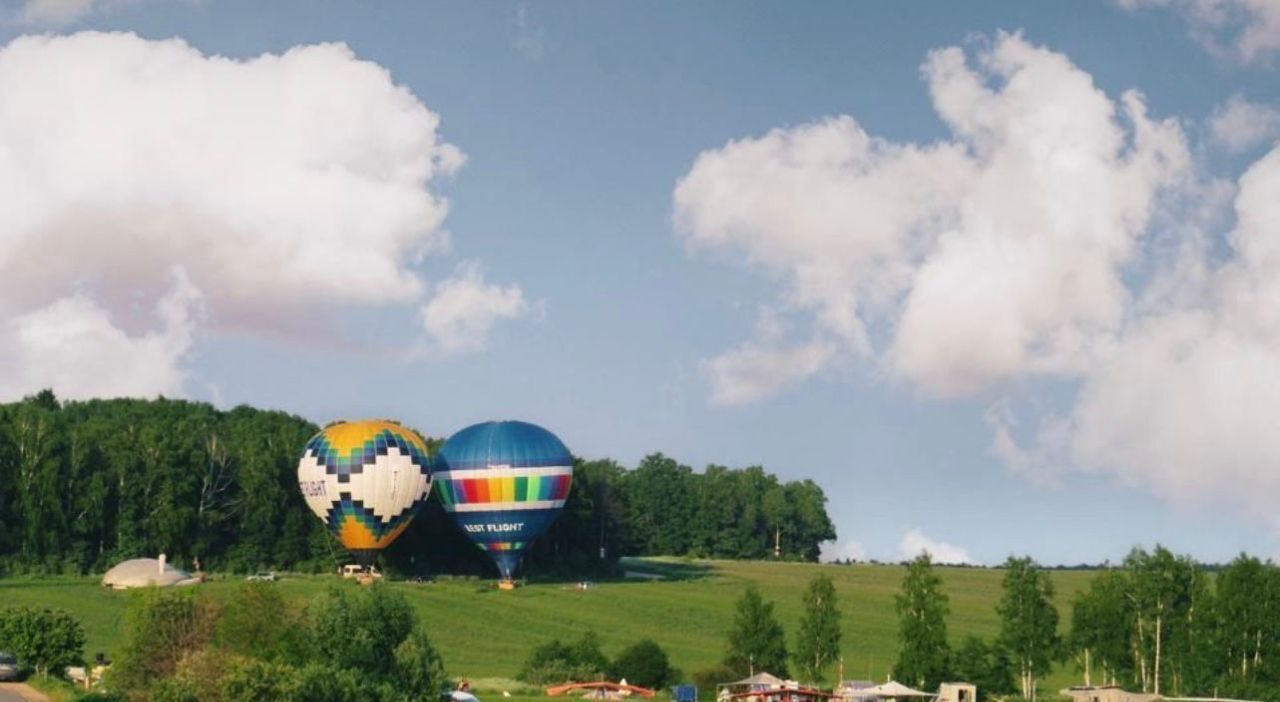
[(957, 692)]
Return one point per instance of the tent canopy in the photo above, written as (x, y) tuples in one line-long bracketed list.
[(758, 679), (893, 688)]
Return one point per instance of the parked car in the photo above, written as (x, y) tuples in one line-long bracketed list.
[(9, 666), (266, 576)]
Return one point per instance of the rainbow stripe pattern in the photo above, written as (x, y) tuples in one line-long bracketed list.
[(456, 489)]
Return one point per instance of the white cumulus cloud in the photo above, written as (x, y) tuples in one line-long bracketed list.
[(73, 345), (993, 255), (1248, 30), (283, 186), (464, 308), (1182, 404), (916, 542), (1061, 237), (1240, 125), (765, 365), (57, 13)]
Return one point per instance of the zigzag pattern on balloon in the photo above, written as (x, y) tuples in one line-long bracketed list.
[(341, 456), (366, 479), (359, 527)]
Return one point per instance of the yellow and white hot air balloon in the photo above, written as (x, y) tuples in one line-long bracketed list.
[(366, 480)]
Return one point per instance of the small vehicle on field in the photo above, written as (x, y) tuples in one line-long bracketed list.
[(362, 574), (266, 577), (9, 669)]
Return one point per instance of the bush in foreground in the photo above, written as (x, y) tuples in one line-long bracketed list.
[(347, 644), (42, 638), (557, 662), (644, 663)]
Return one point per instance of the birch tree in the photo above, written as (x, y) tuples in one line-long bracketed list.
[(1101, 625), (1162, 593), (1028, 621), (923, 654), (818, 639)]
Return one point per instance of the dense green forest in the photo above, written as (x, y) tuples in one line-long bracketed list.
[(86, 484)]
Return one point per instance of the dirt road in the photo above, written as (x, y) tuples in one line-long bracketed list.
[(20, 692)]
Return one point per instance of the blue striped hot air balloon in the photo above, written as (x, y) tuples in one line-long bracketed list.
[(504, 483)]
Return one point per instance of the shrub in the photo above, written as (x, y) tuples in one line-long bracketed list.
[(162, 627), (42, 638), (419, 668), (322, 683), (985, 665), (556, 662), (99, 697), (644, 663), (256, 622), (361, 630), (708, 678), (260, 681), (175, 689)]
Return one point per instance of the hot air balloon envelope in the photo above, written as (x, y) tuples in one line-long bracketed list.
[(366, 480), (504, 483)]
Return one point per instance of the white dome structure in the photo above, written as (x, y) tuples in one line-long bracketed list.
[(145, 572)]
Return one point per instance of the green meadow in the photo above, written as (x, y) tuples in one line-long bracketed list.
[(485, 634)]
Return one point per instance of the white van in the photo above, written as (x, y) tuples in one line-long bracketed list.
[(356, 571)]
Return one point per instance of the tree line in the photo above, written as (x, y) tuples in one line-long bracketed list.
[(1157, 623), (84, 485)]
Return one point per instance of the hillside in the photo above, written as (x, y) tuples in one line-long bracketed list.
[(486, 634)]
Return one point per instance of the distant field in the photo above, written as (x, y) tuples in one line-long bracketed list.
[(486, 634)]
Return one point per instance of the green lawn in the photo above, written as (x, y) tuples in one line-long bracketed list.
[(485, 634)]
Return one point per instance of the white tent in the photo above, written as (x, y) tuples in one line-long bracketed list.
[(893, 688), (757, 680), (144, 572)]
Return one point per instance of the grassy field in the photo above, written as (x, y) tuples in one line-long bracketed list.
[(485, 634)]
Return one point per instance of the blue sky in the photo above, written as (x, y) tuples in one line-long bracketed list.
[(607, 299)]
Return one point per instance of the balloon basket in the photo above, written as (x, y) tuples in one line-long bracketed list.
[(506, 584)]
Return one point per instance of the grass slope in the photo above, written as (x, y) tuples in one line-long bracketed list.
[(484, 633)]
